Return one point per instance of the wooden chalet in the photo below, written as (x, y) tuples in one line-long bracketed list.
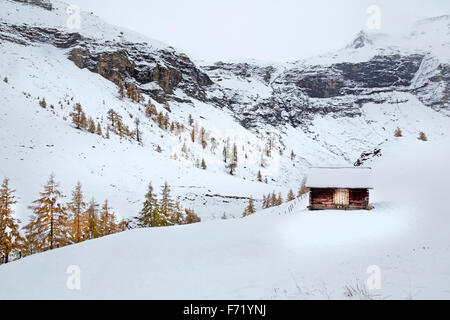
[(339, 188)]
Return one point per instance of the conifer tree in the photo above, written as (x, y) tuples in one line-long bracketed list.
[(114, 117), (422, 136), (233, 161), (191, 217), (92, 227), (279, 199), (148, 216), (203, 165), (99, 129), (293, 155), (193, 133), (177, 215), (290, 196), (48, 226), (107, 220), (259, 176), (150, 109), (91, 125), (10, 238), (264, 202), (121, 89), (302, 190), (273, 199), (84, 122), (137, 122), (123, 225), (250, 209), (203, 137), (43, 103), (78, 116), (166, 202), (398, 133), (77, 208)]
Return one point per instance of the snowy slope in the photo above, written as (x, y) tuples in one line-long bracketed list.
[(41, 141), (37, 141), (274, 254)]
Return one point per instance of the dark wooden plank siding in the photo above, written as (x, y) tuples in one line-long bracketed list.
[(323, 199)]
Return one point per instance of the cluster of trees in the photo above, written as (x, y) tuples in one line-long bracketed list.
[(53, 223), (422, 136), (230, 156), (117, 126), (80, 121), (273, 200), (260, 178), (163, 211), (197, 134), (131, 91)]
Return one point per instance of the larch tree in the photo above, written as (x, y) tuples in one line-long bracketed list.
[(48, 226), (232, 165), (250, 209), (264, 202), (422, 136), (99, 129), (398, 133), (121, 89), (203, 137), (279, 199), (302, 189), (177, 215), (107, 220), (191, 217), (137, 122), (77, 208), (293, 155), (92, 226), (273, 200), (78, 116), (166, 203), (259, 176), (203, 165), (10, 238), (91, 125), (290, 196)]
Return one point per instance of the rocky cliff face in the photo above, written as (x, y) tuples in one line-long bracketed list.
[(157, 72), (300, 92), (266, 94)]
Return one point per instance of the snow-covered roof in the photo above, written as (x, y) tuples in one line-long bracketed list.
[(354, 177)]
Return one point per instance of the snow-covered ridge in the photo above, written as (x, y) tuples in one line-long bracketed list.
[(91, 26)]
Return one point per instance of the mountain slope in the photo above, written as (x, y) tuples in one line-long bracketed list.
[(326, 110), (276, 253)]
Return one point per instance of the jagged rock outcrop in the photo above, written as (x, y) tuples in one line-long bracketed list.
[(267, 94), (39, 3), (121, 61)]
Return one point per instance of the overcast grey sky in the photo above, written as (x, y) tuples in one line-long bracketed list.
[(261, 29)]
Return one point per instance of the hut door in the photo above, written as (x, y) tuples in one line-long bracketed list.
[(341, 197)]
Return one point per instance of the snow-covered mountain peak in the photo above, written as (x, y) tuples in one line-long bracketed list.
[(67, 18), (362, 39)]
